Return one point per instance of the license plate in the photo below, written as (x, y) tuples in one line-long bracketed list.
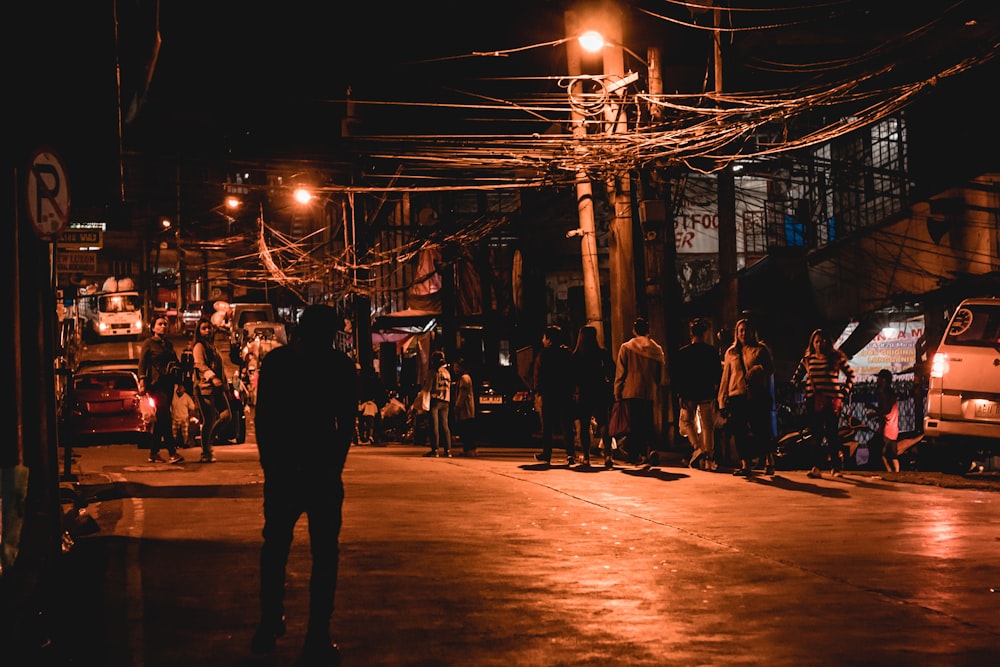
[(491, 400), (988, 410)]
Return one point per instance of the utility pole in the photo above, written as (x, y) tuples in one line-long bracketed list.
[(726, 184), (584, 196), (621, 251)]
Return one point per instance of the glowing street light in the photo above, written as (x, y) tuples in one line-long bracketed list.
[(592, 41), (302, 195)]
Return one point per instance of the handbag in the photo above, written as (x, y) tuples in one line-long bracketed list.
[(861, 456), (620, 423)]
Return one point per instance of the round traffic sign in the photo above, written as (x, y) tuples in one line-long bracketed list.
[(47, 193)]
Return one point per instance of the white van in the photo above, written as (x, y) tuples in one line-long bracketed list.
[(963, 397), (239, 315)]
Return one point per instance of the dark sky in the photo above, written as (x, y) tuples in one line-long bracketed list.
[(232, 78)]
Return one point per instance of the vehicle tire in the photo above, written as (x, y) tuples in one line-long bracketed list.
[(940, 455)]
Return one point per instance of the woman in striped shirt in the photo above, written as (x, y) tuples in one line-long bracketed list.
[(826, 378)]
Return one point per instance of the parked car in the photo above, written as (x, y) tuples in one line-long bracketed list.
[(505, 407), (962, 423), (102, 405), (190, 315)]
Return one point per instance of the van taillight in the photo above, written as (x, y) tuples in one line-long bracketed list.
[(939, 365)]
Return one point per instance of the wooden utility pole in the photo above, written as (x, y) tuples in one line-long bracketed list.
[(584, 196), (726, 184)]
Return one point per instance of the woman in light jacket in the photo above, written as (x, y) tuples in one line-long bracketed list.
[(746, 395)]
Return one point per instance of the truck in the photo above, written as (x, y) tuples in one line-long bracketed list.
[(108, 315), (240, 314)]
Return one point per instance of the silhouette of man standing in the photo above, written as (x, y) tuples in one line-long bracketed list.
[(304, 430)]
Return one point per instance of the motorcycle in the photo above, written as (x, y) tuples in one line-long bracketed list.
[(796, 449)]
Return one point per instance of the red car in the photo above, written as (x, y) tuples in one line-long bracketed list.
[(103, 406)]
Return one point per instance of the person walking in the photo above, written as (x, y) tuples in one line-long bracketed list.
[(182, 411), (553, 382), (593, 372), (304, 433), (440, 390), (887, 412), (158, 368), (746, 393), (210, 387), (465, 410), (639, 374), (696, 375), (826, 378)]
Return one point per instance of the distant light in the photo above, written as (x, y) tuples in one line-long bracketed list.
[(592, 41), (233, 202), (165, 223), (303, 196)]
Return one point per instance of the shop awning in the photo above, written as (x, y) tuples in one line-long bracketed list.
[(398, 326)]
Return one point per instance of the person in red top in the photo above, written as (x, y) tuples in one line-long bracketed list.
[(887, 412)]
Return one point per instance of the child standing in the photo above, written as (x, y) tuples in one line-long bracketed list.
[(887, 412), (182, 411)]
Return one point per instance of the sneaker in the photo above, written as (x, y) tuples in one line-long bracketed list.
[(155, 458), (176, 458), (431, 453), (447, 455), (570, 460), (609, 462), (695, 461), (207, 459), (836, 473), (769, 470), (814, 473), (542, 458)]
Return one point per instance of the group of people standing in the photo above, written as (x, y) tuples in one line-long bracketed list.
[(435, 399), (582, 384), (732, 396), (159, 372)]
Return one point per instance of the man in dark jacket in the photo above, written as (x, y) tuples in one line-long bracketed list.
[(697, 370), (158, 366), (307, 397), (554, 384)]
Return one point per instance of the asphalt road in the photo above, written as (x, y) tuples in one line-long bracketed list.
[(498, 560)]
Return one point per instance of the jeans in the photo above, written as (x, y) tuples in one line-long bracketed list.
[(641, 441), (212, 419), (700, 413), (162, 429), (557, 417), (285, 501), (439, 425)]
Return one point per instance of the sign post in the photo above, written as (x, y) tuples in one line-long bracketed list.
[(47, 194)]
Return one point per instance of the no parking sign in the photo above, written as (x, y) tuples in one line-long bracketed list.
[(47, 193)]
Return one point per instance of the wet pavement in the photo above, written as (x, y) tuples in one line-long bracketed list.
[(500, 560)]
